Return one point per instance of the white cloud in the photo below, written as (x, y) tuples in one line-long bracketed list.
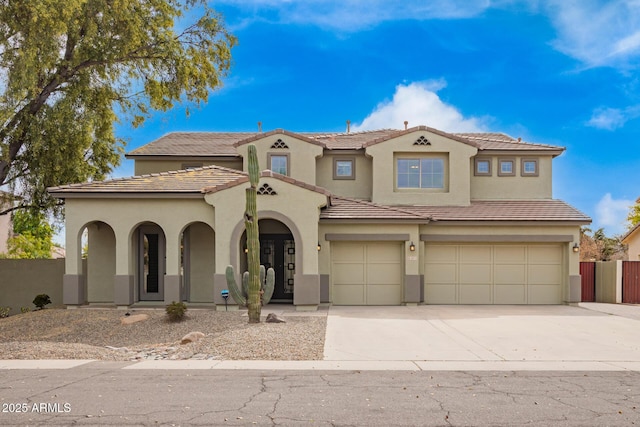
[(598, 33), (419, 104), (612, 214), (612, 118)]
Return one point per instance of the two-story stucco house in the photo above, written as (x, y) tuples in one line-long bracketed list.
[(383, 217)]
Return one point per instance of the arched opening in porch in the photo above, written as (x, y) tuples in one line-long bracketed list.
[(278, 251), (198, 252), (97, 241)]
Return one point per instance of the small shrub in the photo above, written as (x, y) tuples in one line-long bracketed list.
[(176, 311), (41, 300), (4, 312), (24, 310)]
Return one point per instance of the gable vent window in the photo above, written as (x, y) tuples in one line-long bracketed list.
[(279, 144), (422, 141), (266, 190)]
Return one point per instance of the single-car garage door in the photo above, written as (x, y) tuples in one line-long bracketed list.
[(493, 274), (366, 273)]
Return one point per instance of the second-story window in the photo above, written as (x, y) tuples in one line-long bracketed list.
[(279, 163), (507, 167), (344, 168), (420, 173)]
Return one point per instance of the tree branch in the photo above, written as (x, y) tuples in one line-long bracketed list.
[(15, 208)]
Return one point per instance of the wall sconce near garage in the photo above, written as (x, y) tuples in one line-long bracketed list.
[(412, 247), (576, 248), (319, 247)]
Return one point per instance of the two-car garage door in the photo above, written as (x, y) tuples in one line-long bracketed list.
[(493, 274)]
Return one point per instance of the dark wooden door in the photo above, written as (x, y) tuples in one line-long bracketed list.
[(588, 279), (631, 282), (278, 251)]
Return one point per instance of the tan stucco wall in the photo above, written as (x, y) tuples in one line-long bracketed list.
[(23, 279), (202, 262), (143, 167), (101, 263), (124, 215), (298, 208), (358, 188), (457, 173), (633, 242), (496, 187), (609, 282), (302, 155)]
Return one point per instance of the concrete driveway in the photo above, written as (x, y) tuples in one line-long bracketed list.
[(484, 333)]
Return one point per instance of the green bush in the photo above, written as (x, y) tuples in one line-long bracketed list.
[(41, 300), (176, 311), (4, 312), (24, 310)]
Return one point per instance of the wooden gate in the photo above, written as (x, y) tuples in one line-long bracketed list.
[(588, 279), (631, 282)]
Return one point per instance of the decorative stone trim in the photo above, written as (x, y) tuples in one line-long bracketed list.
[(279, 144), (422, 141), (266, 190)]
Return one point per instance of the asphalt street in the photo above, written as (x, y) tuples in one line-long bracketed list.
[(103, 393)]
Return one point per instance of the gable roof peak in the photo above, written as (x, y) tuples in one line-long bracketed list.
[(278, 131)]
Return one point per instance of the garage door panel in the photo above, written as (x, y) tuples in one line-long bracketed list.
[(475, 294), (510, 274), (346, 252), (446, 273), (545, 274), (544, 294), (475, 254), (348, 274), (510, 254), (510, 294), (441, 253), (349, 294), (384, 274), (383, 295), (475, 273), (440, 294), (383, 253), (545, 254)]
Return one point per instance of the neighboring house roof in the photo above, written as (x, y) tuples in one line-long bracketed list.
[(504, 210), (217, 144), (629, 233)]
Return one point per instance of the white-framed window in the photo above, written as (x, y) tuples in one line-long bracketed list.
[(506, 167), (279, 163), (344, 168), (420, 173), (529, 167), (482, 167)]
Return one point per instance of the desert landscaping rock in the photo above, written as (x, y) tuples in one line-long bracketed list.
[(99, 334), (191, 337), (127, 320), (274, 318)]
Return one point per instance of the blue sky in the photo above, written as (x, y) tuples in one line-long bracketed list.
[(562, 72)]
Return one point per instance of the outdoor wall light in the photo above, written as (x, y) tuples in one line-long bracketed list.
[(246, 250), (319, 247), (576, 248), (412, 247)]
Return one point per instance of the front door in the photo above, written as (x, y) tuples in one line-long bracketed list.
[(278, 251), (151, 249)]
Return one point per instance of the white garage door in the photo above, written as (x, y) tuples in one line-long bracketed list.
[(366, 273), (493, 274)]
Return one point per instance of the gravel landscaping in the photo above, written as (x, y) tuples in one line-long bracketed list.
[(99, 334)]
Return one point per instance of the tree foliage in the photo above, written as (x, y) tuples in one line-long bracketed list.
[(596, 246), (32, 235), (633, 218), (69, 68)]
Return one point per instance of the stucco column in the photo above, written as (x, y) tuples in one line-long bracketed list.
[(73, 284), (412, 278), (172, 263), (123, 281)]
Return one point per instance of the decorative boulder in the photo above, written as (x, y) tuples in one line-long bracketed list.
[(191, 337), (274, 318)]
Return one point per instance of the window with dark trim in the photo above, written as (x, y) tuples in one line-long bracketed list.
[(506, 167), (344, 168), (482, 167), (279, 163), (529, 167)]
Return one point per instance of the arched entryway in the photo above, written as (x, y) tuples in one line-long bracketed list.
[(277, 251), (197, 263), (98, 242)]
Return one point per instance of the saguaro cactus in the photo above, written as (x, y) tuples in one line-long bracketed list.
[(254, 288)]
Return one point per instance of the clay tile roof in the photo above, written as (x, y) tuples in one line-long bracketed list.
[(503, 210), (193, 144), (423, 128), (271, 174), (258, 136), (351, 140), (345, 208), (500, 141), (183, 182)]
